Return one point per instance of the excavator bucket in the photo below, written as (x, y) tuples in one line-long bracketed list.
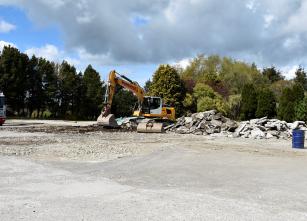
[(150, 127), (108, 121)]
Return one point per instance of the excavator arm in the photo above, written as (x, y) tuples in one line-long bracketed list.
[(106, 118), (118, 79)]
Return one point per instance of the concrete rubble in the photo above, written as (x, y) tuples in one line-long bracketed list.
[(214, 123)]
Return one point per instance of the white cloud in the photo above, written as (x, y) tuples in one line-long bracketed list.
[(183, 63), (48, 51), (289, 71), (4, 43), (6, 27), (260, 31), (268, 19)]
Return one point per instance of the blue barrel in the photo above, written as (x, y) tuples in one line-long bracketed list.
[(298, 138)]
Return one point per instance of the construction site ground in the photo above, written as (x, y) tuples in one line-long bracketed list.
[(60, 170)]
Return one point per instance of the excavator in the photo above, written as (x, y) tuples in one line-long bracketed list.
[(150, 111)]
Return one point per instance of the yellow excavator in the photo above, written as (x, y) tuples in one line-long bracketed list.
[(150, 110)]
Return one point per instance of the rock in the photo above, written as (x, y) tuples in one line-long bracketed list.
[(216, 123), (241, 127), (257, 134), (199, 116), (296, 124), (269, 136)]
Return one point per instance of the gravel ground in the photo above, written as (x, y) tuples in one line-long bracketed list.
[(76, 171)]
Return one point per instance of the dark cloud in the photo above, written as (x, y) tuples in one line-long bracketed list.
[(265, 31)]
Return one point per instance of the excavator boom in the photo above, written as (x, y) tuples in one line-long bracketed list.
[(106, 118)]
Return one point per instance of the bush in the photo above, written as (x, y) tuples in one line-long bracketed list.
[(266, 104)]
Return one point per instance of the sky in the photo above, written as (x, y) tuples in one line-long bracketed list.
[(135, 36)]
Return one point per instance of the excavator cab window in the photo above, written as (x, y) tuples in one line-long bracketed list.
[(155, 103), (151, 103)]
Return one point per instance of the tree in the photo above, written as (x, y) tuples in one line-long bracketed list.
[(289, 100), (124, 103), (234, 106), (35, 91), (147, 86), (167, 84), (68, 84), (93, 93), (208, 99), (13, 78), (50, 87), (266, 104), (272, 74), (301, 110), (301, 77), (249, 102)]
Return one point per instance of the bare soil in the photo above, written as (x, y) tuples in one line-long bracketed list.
[(60, 170)]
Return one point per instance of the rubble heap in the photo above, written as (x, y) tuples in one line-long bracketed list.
[(267, 128), (204, 123), (211, 122)]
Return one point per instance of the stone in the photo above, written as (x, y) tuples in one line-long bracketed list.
[(257, 134), (269, 136), (296, 124)]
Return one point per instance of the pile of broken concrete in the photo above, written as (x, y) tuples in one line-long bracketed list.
[(214, 123), (267, 128), (204, 123)]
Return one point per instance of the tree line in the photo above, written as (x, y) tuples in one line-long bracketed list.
[(38, 88), (237, 89), (35, 87)]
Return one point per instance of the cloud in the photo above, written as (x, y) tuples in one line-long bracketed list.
[(4, 43), (142, 31), (48, 51), (6, 27)]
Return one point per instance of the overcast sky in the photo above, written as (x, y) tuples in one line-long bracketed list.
[(134, 36)]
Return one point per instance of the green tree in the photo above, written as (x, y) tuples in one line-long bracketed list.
[(124, 103), (266, 104), (301, 77), (249, 102), (50, 88), (272, 74), (208, 99), (147, 86), (301, 110), (35, 91), (234, 106), (289, 100), (167, 84), (93, 93), (13, 78), (68, 84)]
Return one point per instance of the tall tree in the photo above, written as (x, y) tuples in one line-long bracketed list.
[(266, 103), (249, 102), (68, 84), (272, 74), (13, 78), (167, 84), (289, 100), (35, 94), (301, 77), (93, 92)]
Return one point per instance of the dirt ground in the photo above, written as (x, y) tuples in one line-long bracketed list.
[(60, 170)]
